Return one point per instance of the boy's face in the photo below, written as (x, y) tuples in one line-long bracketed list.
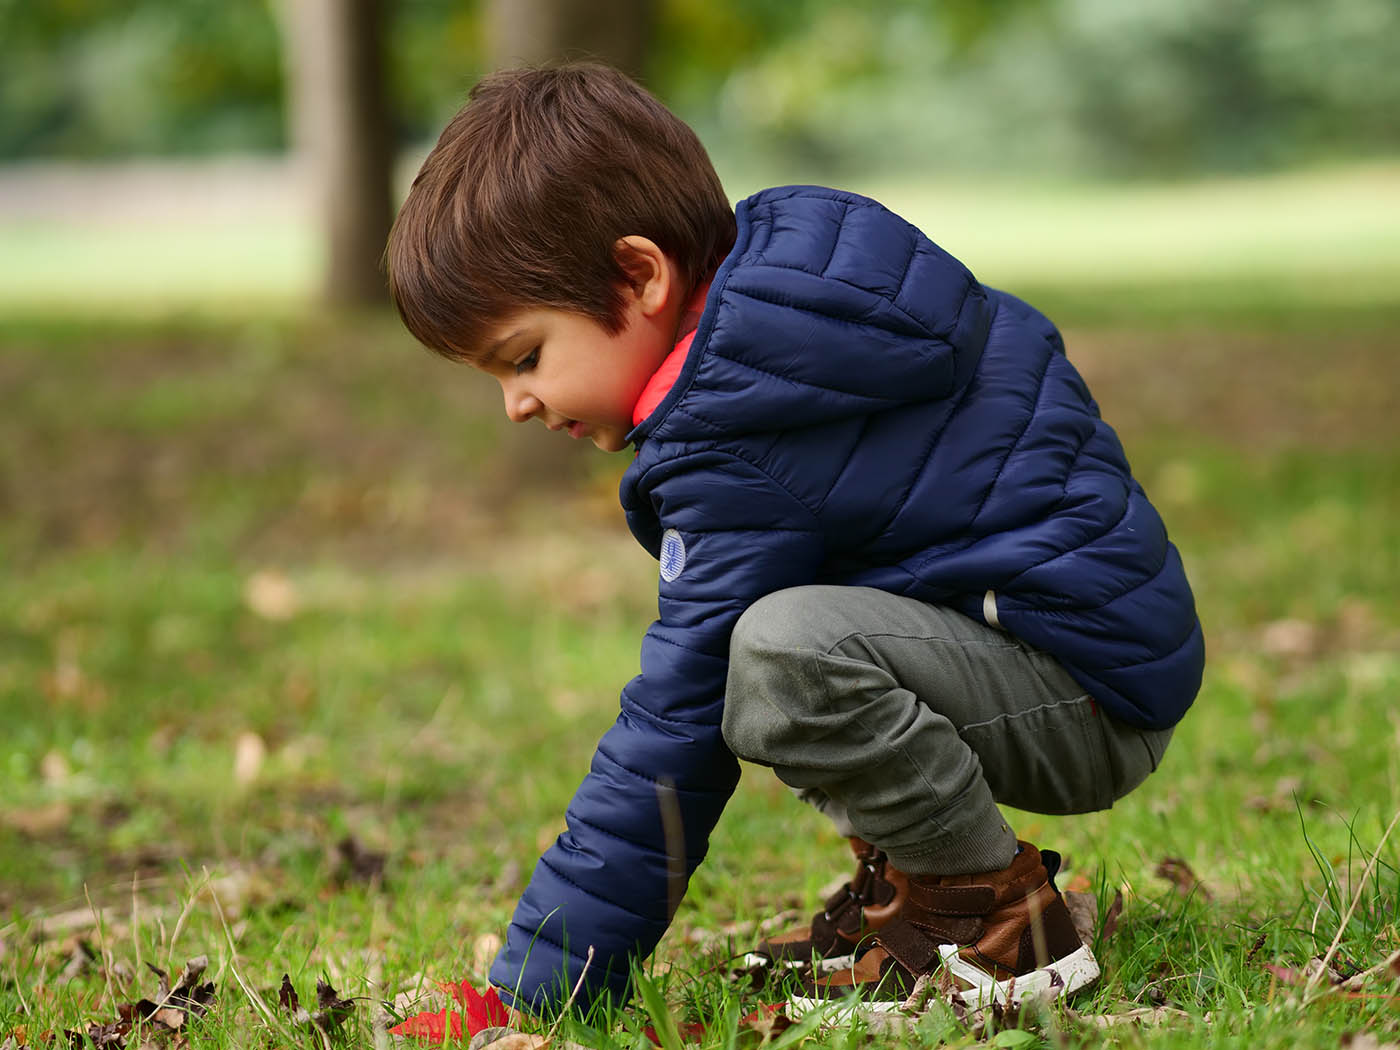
[(571, 374)]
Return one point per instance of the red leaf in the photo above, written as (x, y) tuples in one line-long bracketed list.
[(478, 1012), (768, 1020), (431, 1028), (482, 1011), (690, 1032)]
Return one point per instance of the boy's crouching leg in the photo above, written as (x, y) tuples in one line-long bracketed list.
[(819, 689), (766, 709), (907, 719), (779, 706), (770, 696)]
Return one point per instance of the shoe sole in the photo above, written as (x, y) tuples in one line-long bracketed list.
[(1077, 970)]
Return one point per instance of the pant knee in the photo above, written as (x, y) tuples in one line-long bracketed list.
[(769, 692), (782, 620), (739, 728)]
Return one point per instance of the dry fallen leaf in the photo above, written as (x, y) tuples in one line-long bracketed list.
[(1083, 912), (1311, 973), (357, 863), (890, 1024), (187, 993), (1139, 1015), (1365, 1041), (79, 962), (1110, 920), (54, 768), (1179, 874), (331, 1010), (487, 1036), (113, 1033), (40, 820), (171, 1012), (249, 751), (1289, 638), (271, 595), (170, 1018), (1287, 791), (509, 1040)]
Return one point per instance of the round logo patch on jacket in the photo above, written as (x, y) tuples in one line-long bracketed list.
[(672, 555)]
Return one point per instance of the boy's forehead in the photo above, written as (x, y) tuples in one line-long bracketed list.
[(496, 337), (523, 323)]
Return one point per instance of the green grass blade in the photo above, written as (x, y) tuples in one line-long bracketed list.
[(810, 1023), (661, 1018)]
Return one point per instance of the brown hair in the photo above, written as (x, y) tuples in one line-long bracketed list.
[(527, 190)]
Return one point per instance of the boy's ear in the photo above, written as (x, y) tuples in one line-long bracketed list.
[(650, 274)]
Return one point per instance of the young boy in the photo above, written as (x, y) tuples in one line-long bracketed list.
[(902, 560)]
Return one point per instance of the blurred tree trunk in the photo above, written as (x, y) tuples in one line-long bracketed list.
[(531, 32), (335, 52)]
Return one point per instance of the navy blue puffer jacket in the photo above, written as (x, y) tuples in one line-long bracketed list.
[(855, 409)]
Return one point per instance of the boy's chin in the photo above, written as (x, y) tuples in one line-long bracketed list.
[(609, 440)]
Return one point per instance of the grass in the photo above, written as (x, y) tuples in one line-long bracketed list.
[(280, 594)]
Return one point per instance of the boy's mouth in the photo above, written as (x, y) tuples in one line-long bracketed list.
[(576, 430)]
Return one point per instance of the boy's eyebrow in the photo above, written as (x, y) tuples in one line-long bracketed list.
[(497, 344)]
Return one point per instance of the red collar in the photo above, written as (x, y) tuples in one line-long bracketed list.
[(659, 385)]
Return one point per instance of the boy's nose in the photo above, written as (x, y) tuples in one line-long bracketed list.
[(520, 406)]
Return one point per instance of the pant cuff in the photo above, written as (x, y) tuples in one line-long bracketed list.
[(973, 837)]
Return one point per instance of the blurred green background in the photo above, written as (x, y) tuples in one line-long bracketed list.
[(1083, 86), (274, 576), (154, 157)]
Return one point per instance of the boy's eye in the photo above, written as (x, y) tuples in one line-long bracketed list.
[(528, 361)]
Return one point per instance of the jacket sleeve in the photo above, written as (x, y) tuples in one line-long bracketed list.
[(640, 822)]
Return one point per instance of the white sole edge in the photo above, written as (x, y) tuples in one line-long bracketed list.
[(1077, 970)]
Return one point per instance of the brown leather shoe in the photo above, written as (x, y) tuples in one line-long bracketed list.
[(994, 937), (871, 899)]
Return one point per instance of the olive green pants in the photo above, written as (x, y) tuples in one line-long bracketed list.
[(906, 723)]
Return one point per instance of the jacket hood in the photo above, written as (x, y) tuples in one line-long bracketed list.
[(754, 363)]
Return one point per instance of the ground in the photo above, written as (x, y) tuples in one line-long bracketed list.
[(302, 653)]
